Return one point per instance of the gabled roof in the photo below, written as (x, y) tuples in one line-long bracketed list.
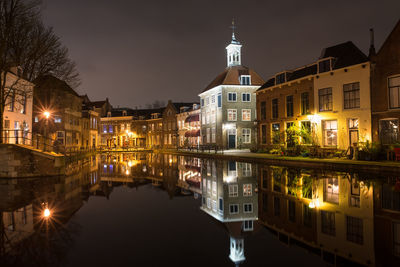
[(230, 76), (50, 81), (345, 54), (293, 75), (395, 33)]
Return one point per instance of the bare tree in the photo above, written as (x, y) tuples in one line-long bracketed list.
[(26, 43)]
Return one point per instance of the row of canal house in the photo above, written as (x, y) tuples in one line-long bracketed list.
[(342, 98), (330, 98), (74, 120), (176, 124)]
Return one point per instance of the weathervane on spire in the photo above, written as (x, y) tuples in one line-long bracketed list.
[(233, 30)]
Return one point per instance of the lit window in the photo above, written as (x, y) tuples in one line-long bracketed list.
[(232, 114), (246, 114), (330, 133), (247, 190), (36, 119), (57, 119), (246, 135), (331, 190), (233, 190)]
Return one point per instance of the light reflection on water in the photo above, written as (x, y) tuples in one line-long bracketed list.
[(117, 210)]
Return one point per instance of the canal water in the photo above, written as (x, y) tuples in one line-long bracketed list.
[(143, 209)]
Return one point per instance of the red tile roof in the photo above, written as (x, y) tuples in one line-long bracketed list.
[(231, 77)]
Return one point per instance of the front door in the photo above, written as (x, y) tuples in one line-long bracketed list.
[(353, 131), (232, 138)]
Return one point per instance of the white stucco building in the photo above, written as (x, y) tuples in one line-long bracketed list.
[(228, 104)]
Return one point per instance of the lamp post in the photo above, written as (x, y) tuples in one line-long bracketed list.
[(46, 114)]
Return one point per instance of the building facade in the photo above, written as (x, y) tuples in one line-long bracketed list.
[(329, 101), (342, 110), (385, 89), (228, 104), (285, 101), (17, 116), (64, 107), (189, 126)]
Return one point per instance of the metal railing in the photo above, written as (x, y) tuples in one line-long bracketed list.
[(42, 143)]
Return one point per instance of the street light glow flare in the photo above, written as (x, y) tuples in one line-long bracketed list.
[(46, 213), (46, 114)]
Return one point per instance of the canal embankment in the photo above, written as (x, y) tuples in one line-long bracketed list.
[(336, 164), (25, 161)]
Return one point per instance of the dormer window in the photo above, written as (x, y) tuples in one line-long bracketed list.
[(245, 80), (154, 115), (109, 114), (124, 113), (325, 65), (280, 78)]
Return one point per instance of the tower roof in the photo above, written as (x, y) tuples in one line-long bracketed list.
[(231, 76)]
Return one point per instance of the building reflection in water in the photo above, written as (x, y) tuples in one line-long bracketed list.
[(26, 235), (343, 218), (229, 194)]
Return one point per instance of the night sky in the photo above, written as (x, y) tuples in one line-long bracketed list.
[(136, 52)]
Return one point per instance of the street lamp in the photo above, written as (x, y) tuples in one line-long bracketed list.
[(46, 114)]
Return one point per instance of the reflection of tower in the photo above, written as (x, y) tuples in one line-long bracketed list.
[(229, 195), (237, 250)]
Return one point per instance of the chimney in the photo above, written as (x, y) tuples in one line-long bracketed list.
[(372, 41)]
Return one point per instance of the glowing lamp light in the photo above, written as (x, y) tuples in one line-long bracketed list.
[(314, 118), (314, 204), (46, 213), (46, 114), (127, 172)]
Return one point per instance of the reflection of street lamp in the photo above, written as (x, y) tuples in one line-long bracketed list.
[(46, 114)]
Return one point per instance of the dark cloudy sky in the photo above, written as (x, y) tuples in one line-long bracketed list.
[(136, 52)]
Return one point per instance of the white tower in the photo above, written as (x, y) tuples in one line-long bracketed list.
[(237, 250), (233, 50)]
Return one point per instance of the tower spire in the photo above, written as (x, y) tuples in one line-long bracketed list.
[(233, 30), (233, 49)]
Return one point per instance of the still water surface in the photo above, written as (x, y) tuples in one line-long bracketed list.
[(138, 209)]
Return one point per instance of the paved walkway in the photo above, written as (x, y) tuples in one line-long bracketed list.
[(327, 163)]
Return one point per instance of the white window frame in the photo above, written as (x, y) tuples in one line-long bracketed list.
[(245, 193), (246, 225), (246, 100), (212, 99), (230, 205), (233, 190), (233, 93), (213, 135), (246, 110), (249, 205), (234, 114), (246, 137), (241, 79)]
